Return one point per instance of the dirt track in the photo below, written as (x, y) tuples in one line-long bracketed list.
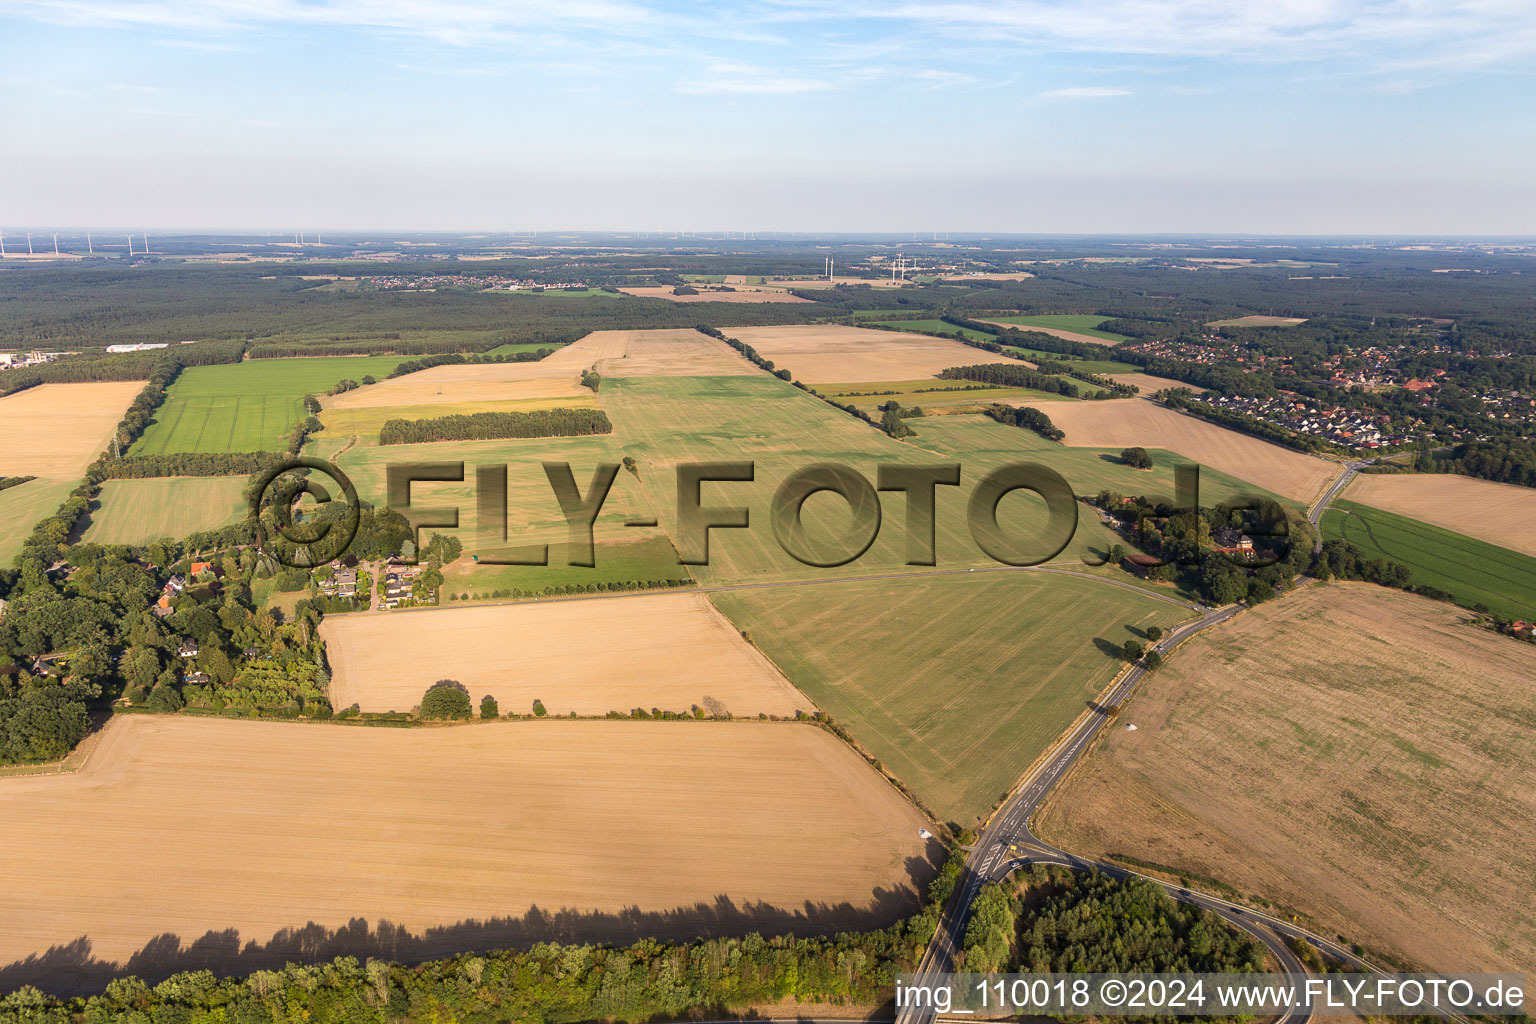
[(235, 830), (670, 651)]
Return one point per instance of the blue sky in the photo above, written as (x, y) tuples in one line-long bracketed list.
[(1285, 116)]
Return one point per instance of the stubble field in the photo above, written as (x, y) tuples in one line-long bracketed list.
[(140, 511), (818, 353), (1354, 752), (1501, 514), (591, 656), (1146, 424), (57, 430), (433, 841)]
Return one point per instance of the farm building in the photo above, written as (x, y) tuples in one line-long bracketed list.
[(1140, 564)]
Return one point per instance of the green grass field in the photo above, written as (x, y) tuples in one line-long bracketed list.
[(140, 511), (249, 406), (533, 514), (22, 506), (1081, 323), (1474, 571), (956, 683), (664, 421)]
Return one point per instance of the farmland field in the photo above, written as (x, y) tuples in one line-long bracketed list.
[(1501, 514), (1353, 752), (741, 294), (1071, 326), (1259, 321), (57, 430), (22, 506), (670, 651), (1473, 571), (956, 683), (140, 511), (937, 325), (817, 353), (456, 384), (437, 841), (1149, 425), (366, 422), (533, 513), (247, 407)]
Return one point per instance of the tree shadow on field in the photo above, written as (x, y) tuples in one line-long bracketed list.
[(71, 969), (1111, 650)]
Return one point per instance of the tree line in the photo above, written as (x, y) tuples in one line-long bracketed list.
[(14, 481), (482, 426), (551, 982), (1029, 419), (1012, 376)]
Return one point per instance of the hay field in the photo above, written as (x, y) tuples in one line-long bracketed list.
[(1071, 326), (612, 830), (671, 353), (1259, 321), (818, 283), (1501, 514), (533, 513), (822, 352), (365, 423), (1351, 751), (1151, 385), (22, 507), (458, 384), (56, 430), (669, 651), (956, 683), (249, 406), (1472, 571), (140, 511), (741, 294), (1149, 425)]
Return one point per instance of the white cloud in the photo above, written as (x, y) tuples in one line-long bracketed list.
[(1084, 92)]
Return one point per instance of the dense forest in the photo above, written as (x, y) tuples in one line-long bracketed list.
[(1093, 923), (483, 426)]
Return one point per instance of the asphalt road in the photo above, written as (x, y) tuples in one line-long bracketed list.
[(1006, 842)]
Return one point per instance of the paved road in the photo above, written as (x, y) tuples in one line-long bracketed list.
[(1007, 843)]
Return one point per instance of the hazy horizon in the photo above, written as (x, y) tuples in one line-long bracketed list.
[(1297, 117)]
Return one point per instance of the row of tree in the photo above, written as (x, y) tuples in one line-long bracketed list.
[(1028, 418), (482, 426), (1011, 375)]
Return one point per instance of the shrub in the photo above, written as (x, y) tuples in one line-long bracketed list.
[(446, 699), (489, 708), (538, 709)]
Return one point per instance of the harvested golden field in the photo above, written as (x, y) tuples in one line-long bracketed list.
[(366, 422), (670, 353), (1149, 384), (819, 353), (1020, 275), (1501, 514), (1353, 752), (1125, 422), (304, 841), (1055, 332), (669, 651), (741, 294), (822, 282), (56, 430), (1259, 321), (456, 385)]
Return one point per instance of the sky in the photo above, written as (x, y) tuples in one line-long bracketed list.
[(1082, 116)]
